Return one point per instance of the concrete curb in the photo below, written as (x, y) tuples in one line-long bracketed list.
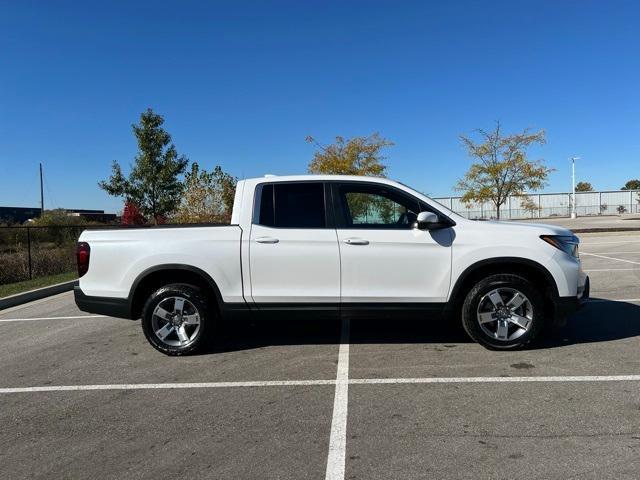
[(37, 294), (605, 229)]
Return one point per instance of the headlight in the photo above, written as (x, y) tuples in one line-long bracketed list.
[(567, 243)]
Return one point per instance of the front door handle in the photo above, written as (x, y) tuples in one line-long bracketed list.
[(267, 240), (356, 241)]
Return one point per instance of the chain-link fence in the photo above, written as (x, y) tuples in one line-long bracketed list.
[(545, 205)]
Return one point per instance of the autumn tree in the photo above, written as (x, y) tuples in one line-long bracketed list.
[(153, 183), (350, 156), (584, 187), (208, 196), (501, 167), (131, 214), (632, 185)]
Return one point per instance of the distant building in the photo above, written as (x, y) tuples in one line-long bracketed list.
[(13, 215), (93, 215)]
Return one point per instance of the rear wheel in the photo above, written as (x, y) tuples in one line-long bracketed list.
[(503, 312), (176, 319)]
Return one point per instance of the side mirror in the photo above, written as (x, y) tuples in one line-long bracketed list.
[(427, 221)]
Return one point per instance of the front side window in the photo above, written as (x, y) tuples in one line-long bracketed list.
[(291, 205), (367, 206)]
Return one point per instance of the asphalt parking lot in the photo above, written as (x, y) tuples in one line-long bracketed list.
[(83, 396)]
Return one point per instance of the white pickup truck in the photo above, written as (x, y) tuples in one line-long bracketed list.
[(335, 246)]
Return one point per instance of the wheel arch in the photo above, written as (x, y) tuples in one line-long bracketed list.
[(154, 277), (533, 270)]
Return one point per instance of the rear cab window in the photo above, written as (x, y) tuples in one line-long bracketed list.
[(290, 205)]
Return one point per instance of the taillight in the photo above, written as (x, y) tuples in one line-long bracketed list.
[(82, 254)]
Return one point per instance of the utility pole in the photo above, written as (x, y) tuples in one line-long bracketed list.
[(41, 193), (573, 182)]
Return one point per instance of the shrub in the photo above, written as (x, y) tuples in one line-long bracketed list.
[(44, 261)]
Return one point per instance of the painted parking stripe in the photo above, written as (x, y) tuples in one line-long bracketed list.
[(338, 437), (612, 270), (165, 386), (581, 378), (299, 383), (50, 318), (610, 243), (609, 258), (613, 253), (596, 300)]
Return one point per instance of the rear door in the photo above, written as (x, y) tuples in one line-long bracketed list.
[(383, 258), (293, 253)]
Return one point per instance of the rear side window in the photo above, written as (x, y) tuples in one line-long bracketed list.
[(291, 205)]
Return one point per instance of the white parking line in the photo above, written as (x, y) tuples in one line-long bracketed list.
[(612, 253), (342, 417), (610, 243), (166, 386), (338, 437), (612, 270), (609, 258), (49, 318), (581, 378), (614, 300)]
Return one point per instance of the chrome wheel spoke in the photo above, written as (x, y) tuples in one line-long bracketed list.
[(486, 317), (164, 331), (516, 301), (191, 319), (520, 321), (495, 298), (178, 306), (182, 334), (502, 332), (162, 313)]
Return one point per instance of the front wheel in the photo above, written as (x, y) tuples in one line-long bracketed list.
[(176, 319), (503, 312)]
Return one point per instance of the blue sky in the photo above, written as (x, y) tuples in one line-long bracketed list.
[(242, 83)]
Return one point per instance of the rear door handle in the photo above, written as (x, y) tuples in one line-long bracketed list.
[(267, 240), (356, 241)]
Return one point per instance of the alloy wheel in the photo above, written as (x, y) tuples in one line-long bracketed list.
[(176, 321), (505, 314)]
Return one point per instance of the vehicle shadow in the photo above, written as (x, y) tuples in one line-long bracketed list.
[(246, 335), (599, 320)]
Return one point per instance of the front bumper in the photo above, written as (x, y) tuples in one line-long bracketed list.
[(565, 306), (109, 306)]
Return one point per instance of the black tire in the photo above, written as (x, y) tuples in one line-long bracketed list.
[(505, 283), (198, 301)]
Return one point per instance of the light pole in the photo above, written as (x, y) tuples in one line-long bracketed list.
[(573, 182)]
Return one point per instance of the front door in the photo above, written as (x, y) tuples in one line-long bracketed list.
[(383, 258), (293, 256)]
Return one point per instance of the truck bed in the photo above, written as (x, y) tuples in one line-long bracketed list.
[(119, 256)]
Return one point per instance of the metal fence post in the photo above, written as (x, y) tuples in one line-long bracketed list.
[(29, 252), (539, 209), (599, 203)]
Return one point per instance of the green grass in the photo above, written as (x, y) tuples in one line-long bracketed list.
[(19, 287)]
